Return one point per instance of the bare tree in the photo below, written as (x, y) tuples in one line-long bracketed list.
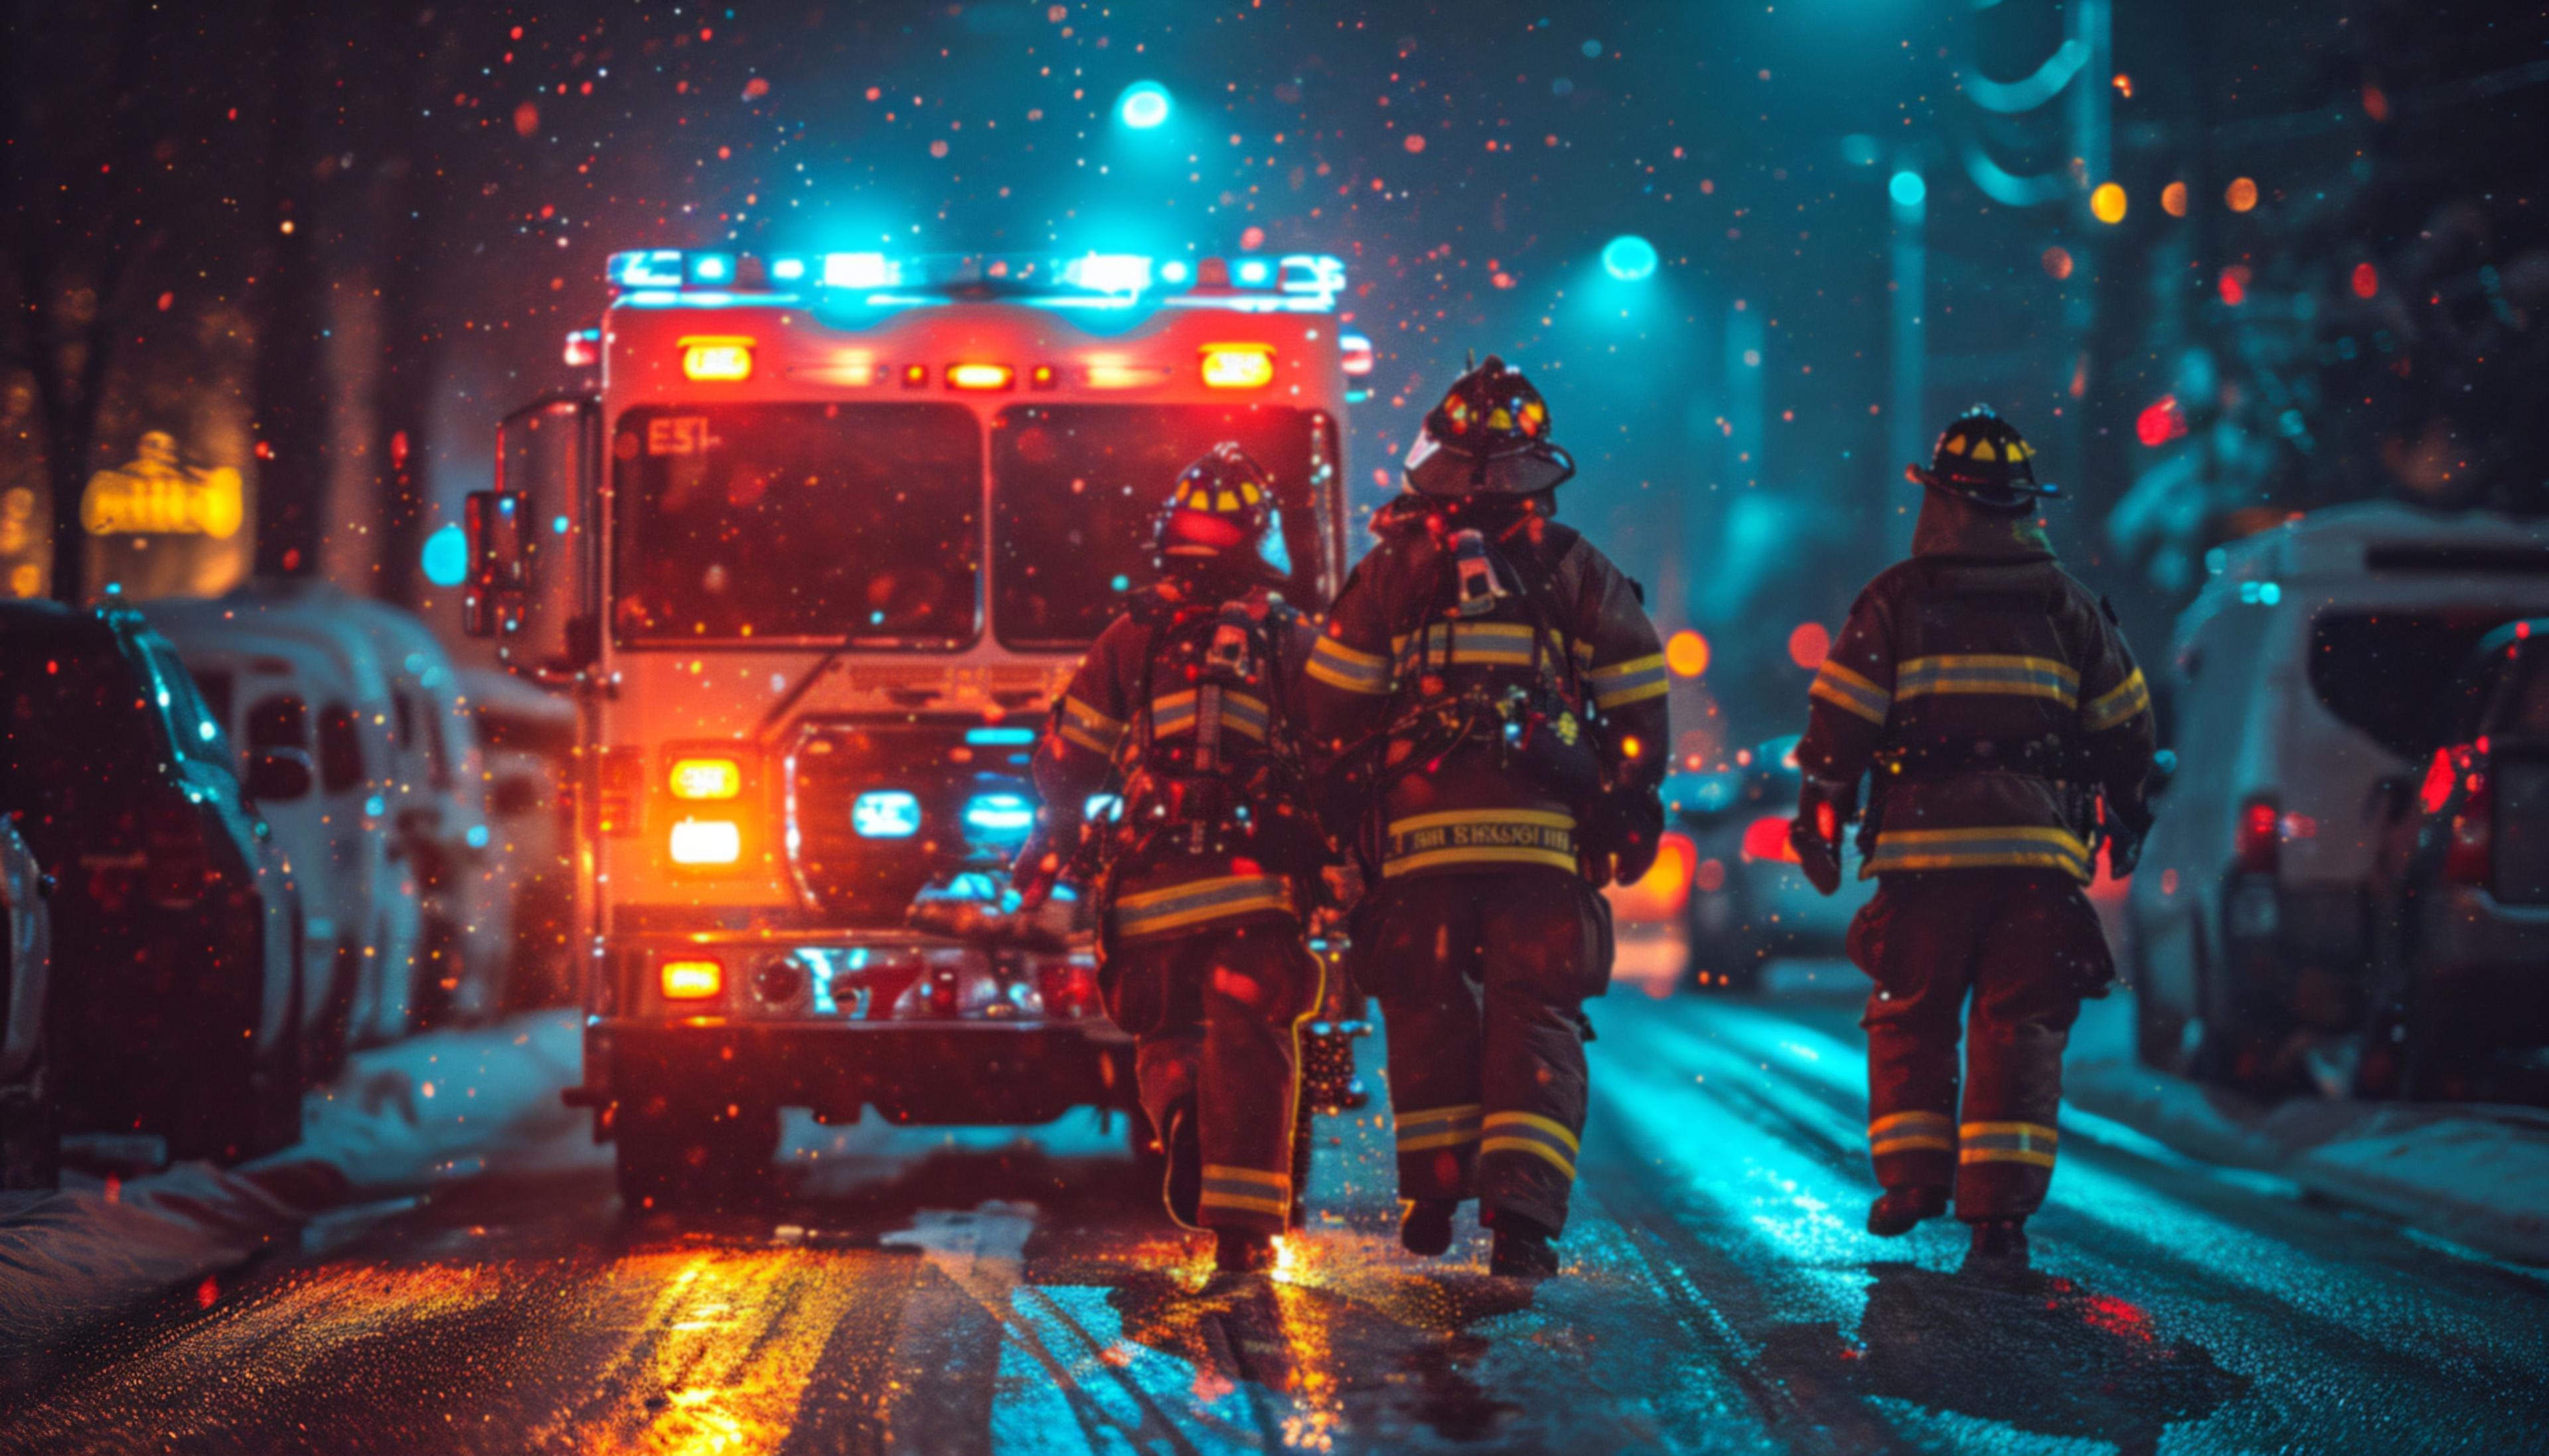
[(82, 120)]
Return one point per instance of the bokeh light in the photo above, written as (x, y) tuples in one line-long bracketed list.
[(2366, 280), (446, 557), (1908, 190), (2242, 194), (1628, 257), (2107, 203), (1686, 653), (1144, 105), (2172, 199), (1809, 645), (2058, 262)]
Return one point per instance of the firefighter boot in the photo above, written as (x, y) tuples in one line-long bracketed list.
[(1242, 1250), (1999, 1243), (1902, 1209), (1522, 1249), (1426, 1227)]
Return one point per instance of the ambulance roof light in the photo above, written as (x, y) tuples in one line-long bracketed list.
[(659, 267), (718, 268), (858, 270), (1108, 272)]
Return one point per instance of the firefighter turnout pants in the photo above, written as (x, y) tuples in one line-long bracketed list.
[(2024, 947), (1215, 1015), (1481, 976)]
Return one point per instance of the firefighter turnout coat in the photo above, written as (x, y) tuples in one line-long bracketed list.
[(1204, 963), (1483, 935), (1991, 700)]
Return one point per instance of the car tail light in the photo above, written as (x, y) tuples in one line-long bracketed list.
[(1070, 989), (1354, 353), (2470, 858), (691, 980), (1766, 839), (1238, 366), (705, 778), (2257, 846), (716, 359), (702, 843), (980, 376)]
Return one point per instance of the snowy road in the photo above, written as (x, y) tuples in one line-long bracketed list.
[(971, 1294)]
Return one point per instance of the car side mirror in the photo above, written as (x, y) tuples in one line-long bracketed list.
[(500, 566), (278, 776)]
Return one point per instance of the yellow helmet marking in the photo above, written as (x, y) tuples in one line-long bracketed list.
[(1983, 450)]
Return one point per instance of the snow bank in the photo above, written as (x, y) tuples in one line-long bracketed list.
[(2477, 1175), (400, 1120)]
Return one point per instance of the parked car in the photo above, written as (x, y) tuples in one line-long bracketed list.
[(1750, 903), (2462, 905), (526, 739), (2303, 680), (31, 1112), (358, 770), (433, 792), (289, 704), (182, 1009)]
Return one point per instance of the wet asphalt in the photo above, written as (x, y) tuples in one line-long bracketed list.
[(926, 1292)]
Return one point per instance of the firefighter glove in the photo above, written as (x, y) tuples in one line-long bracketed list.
[(1823, 807), (1628, 829)]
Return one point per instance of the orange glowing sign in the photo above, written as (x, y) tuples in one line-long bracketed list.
[(716, 360), (1238, 366)]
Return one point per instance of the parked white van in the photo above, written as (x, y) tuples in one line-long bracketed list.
[(2301, 680), (288, 689)]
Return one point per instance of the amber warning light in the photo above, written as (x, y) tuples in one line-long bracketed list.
[(716, 359), (692, 980), (980, 376), (1238, 366)]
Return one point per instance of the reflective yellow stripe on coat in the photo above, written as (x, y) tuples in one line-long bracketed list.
[(1091, 729), (1480, 837), (2117, 705), (1996, 674), (1999, 847), (1199, 901)]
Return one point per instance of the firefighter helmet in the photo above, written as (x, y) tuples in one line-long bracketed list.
[(1221, 517), (1983, 458), (1488, 437)]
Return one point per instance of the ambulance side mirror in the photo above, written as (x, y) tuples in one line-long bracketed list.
[(499, 567)]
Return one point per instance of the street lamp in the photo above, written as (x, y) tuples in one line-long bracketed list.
[(1628, 257), (1143, 106)]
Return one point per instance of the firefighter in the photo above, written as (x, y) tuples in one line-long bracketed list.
[(1187, 705), (1991, 704), (1493, 695)]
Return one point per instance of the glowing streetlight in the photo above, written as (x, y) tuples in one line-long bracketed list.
[(1144, 105), (1628, 257)]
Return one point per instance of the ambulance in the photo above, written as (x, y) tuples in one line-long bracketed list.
[(812, 560)]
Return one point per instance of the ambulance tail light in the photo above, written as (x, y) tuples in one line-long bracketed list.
[(705, 777), (2258, 844), (1765, 841), (1356, 354), (980, 376), (1116, 376), (715, 360), (690, 979), (1238, 366), (706, 843)]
